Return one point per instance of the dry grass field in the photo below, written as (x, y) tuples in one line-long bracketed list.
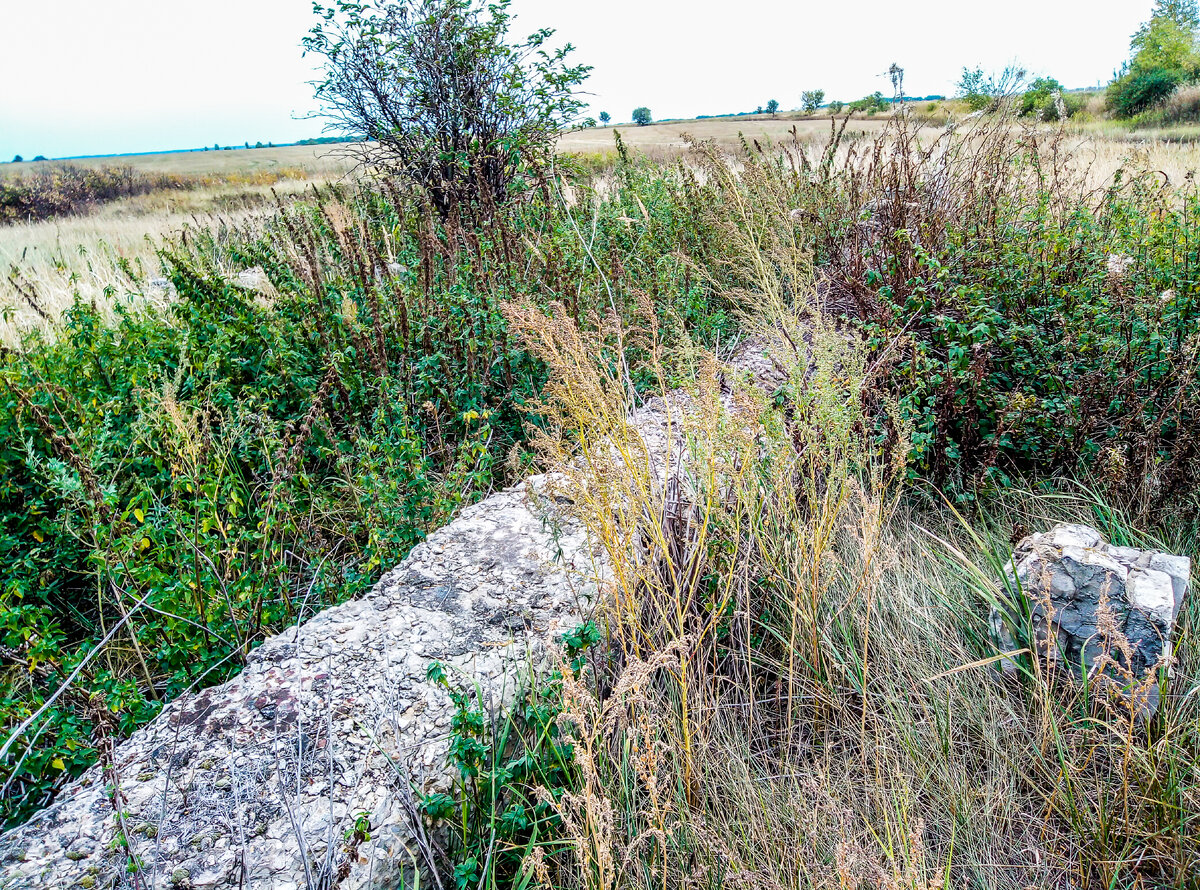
[(1103, 146), (316, 159), (667, 138), (60, 258)]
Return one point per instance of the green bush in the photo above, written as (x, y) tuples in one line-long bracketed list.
[(1040, 98), (1043, 342), (870, 104), (1025, 328), (242, 458), (1139, 90)]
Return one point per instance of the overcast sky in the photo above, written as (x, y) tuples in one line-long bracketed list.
[(108, 76)]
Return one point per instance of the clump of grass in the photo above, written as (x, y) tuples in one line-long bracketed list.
[(800, 689)]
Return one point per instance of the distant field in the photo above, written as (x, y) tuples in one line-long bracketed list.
[(1102, 145), (319, 160), (59, 258), (666, 137)]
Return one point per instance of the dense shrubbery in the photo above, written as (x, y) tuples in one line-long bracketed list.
[(1046, 99), (1027, 326), (1055, 343), (62, 189), (1139, 90), (247, 456)]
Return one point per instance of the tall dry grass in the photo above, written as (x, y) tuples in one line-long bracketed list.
[(109, 258), (799, 689)]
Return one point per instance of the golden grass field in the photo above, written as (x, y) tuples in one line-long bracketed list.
[(1101, 144), (81, 255), (667, 137)]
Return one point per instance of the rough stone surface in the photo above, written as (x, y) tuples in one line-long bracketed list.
[(254, 783), (253, 279), (1071, 576), (327, 720)]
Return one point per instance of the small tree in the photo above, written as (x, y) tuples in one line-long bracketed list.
[(1163, 43), (836, 106), (972, 87), (984, 91), (605, 117), (17, 159), (773, 107), (1044, 97), (810, 100), (641, 116), (438, 95)]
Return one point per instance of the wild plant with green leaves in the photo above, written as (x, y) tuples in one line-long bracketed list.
[(1028, 325), (191, 479)]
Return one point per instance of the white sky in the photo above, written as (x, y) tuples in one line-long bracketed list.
[(108, 76)]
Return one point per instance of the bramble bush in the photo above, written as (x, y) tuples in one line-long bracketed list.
[(1027, 325)]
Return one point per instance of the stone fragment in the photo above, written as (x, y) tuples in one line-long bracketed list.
[(1088, 599)]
